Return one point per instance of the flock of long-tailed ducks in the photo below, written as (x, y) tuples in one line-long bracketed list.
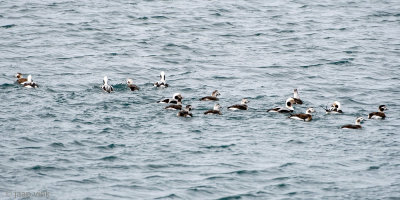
[(175, 103)]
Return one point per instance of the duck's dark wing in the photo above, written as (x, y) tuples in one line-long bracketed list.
[(238, 107), (351, 126), (298, 101), (301, 116), (209, 98), (377, 114), (184, 113), (216, 112), (133, 87), (174, 107)]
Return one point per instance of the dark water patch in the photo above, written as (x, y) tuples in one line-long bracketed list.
[(29, 148), (159, 17), (170, 196), (245, 172), (219, 146), (57, 145), (8, 26), (340, 62), (109, 158), (43, 168), (373, 167), (110, 146), (238, 196)]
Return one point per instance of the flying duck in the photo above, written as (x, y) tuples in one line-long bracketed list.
[(177, 106), (296, 97), (130, 84), (241, 106), (305, 117), (289, 107), (213, 96), (106, 87), (20, 79), (216, 110), (335, 108), (29, 83), (161, 83), (175, 98), (378, 115), (185, 112), (354, 126)]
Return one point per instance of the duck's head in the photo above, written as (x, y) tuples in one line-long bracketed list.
[(129, 81), (217, 106), (382, 108), (289, 103), (177, 96), (215, 93), (336, 105), (310, 110), (18, 75), (105, 80), (29, 79), (245, 101), (359, 120), (162, 76), (296, 94), (188, 108)]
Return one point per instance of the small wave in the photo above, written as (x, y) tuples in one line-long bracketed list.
[(57, 145), (8, 26), (170, 196), (238, 196), (42, 168), (109, 158)]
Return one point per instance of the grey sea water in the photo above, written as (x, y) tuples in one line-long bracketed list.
[(72, 140)]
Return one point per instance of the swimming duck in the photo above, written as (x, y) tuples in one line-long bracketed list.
[(185, 112), (296, 97), (175, 98), (378, 115), (213, 96), (130, 84), (29, 83), (305, 117), (357, 125), (20, 79), (289, 107), (216, 110), (106, 87), (241, 106), (334, 109), (161, 83)]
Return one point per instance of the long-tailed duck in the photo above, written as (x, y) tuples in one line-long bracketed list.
[(20, 79), (378, 115), (130, 84), (289, 107), (106, 87), (241, 106), (334, 109), (29, 83), (177, 106), (296, 97), (185, 112), (305, 117), (357, 125), (161, 83), (213, 96), (216, 110), (175, 98)]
